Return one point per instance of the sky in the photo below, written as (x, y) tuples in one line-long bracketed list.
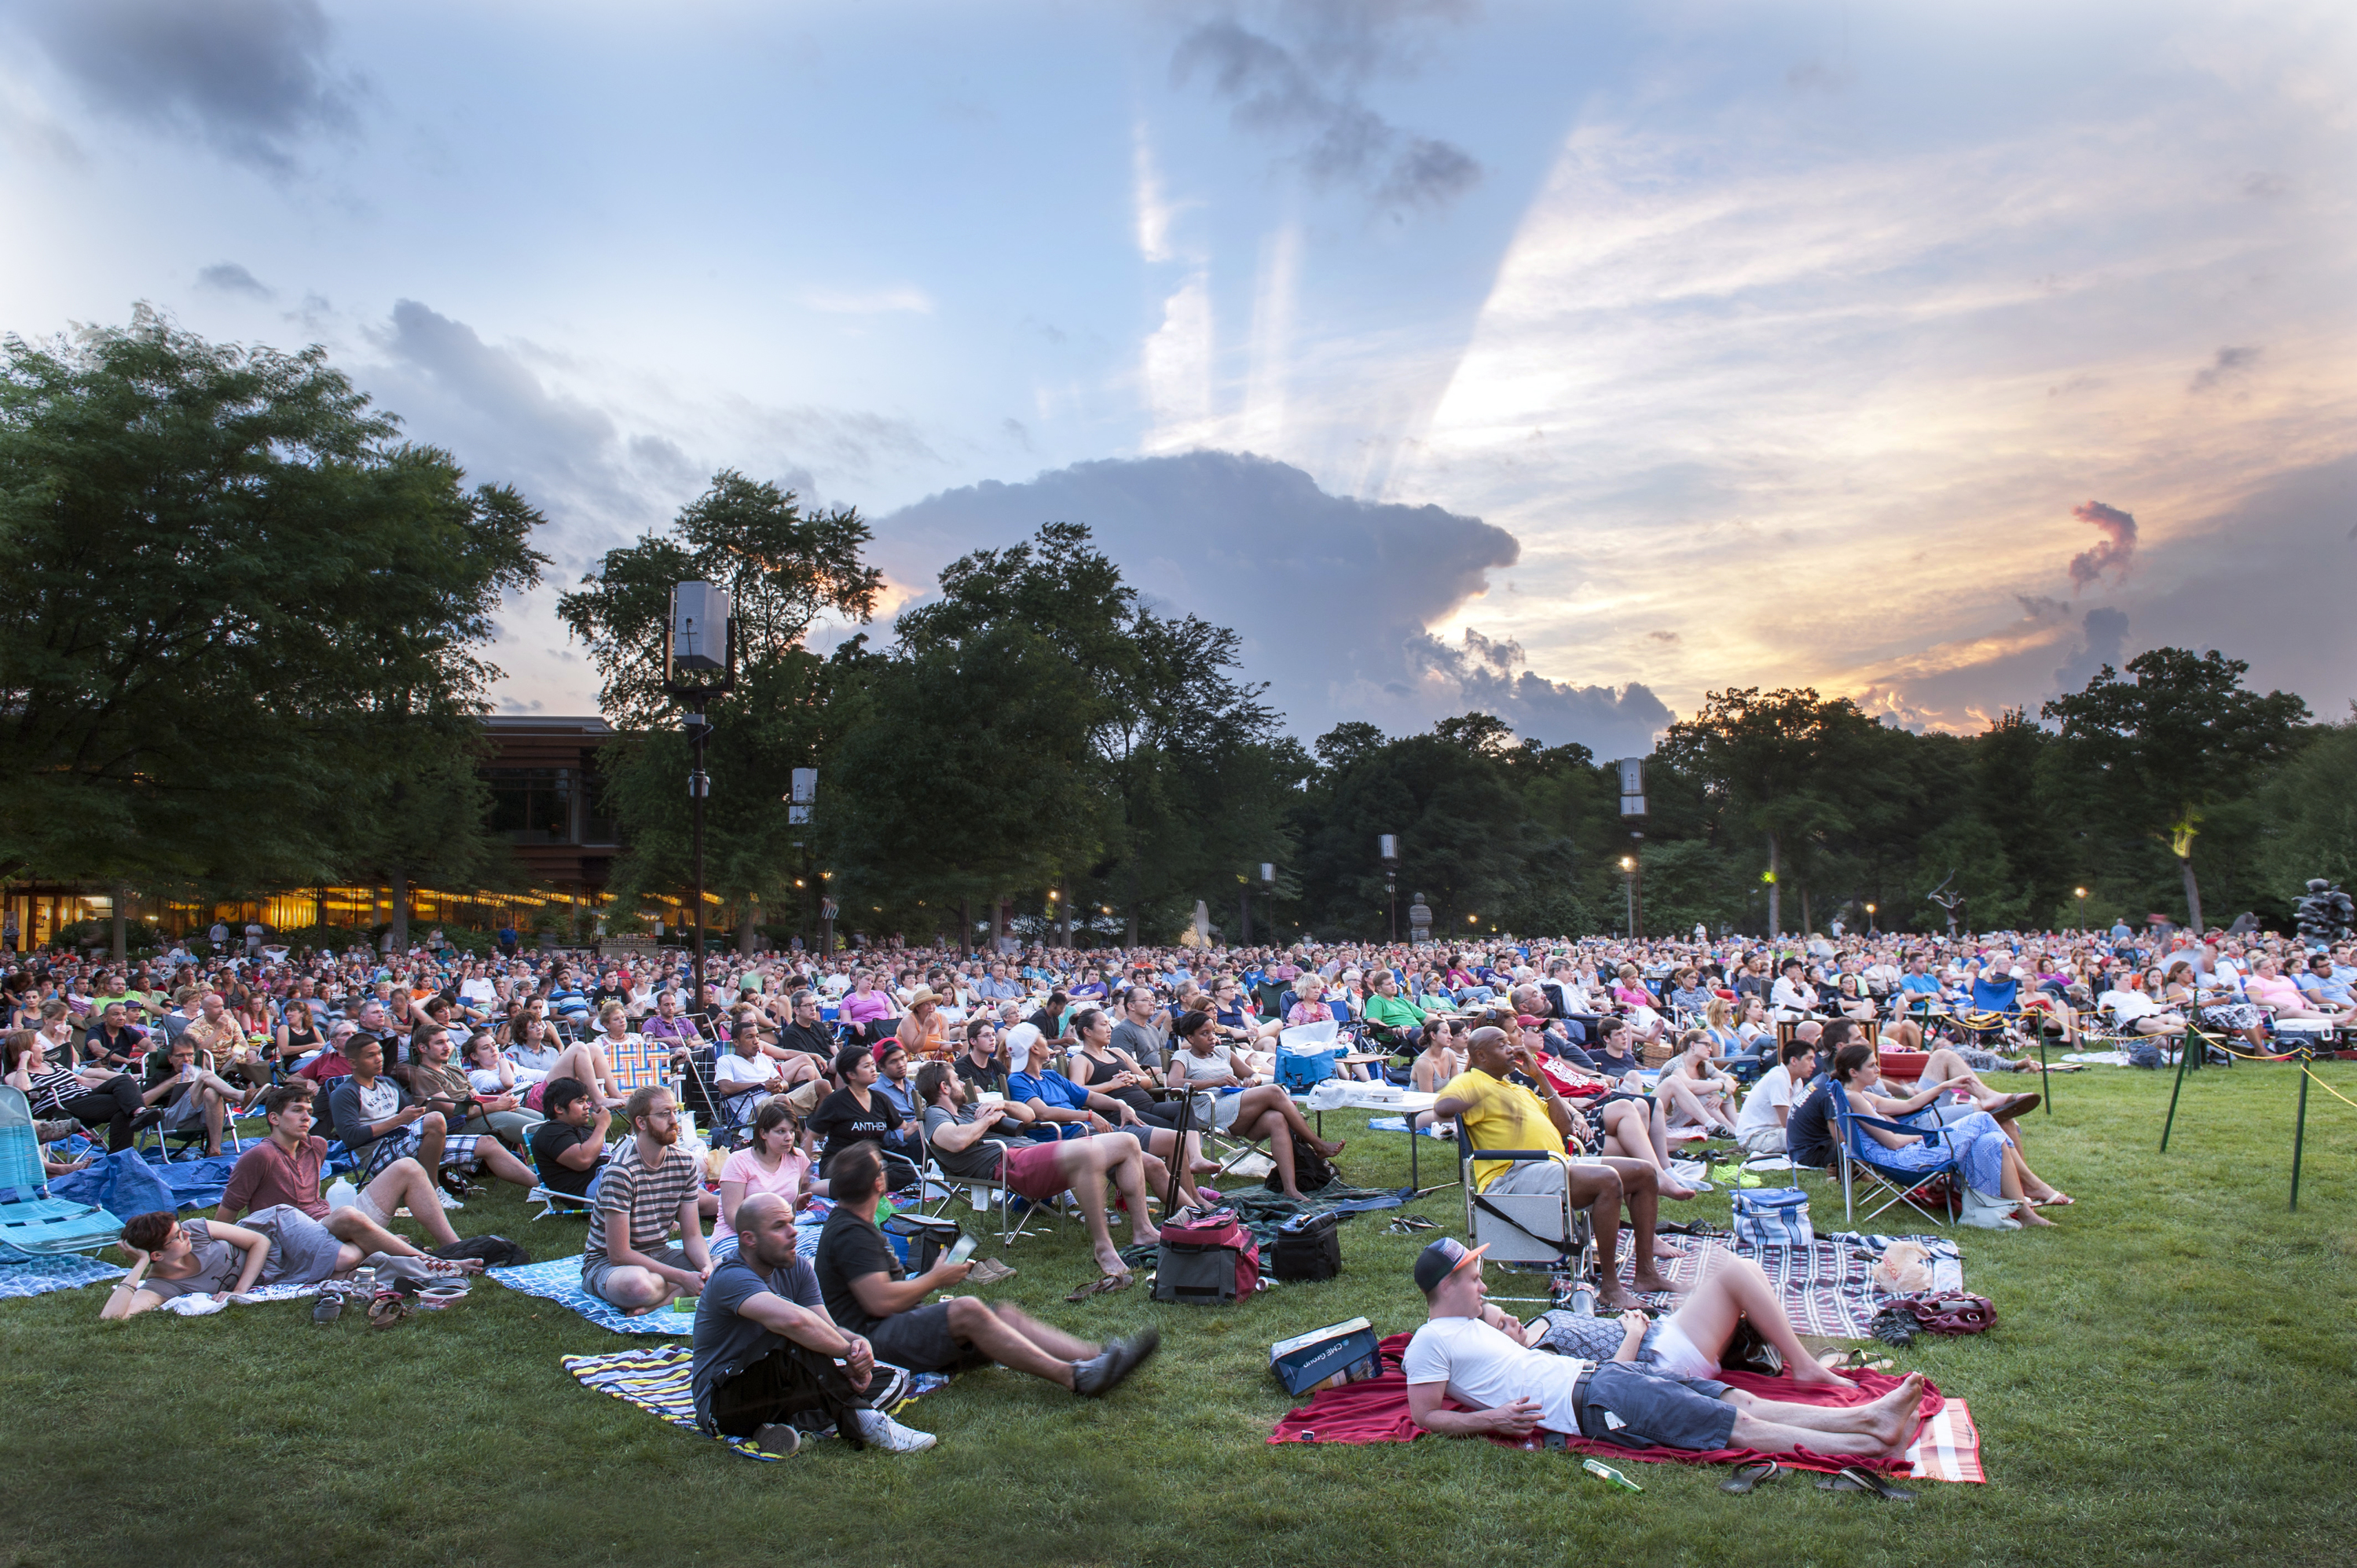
[(1567, 360)]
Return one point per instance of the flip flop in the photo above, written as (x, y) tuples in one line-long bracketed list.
[(1858, 1478), (1748, 1476), (1104, 1285)]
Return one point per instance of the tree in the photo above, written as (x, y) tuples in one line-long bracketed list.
[(783, 568), (2312, 805), (2158, 752), (233, 594)]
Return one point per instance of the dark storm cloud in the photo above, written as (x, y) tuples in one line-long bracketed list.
[(1307, 96), (2112, 553), (252, 77), (1333, 597), (2106, 638)]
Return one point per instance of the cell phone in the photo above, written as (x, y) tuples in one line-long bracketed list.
[(963, 1250)]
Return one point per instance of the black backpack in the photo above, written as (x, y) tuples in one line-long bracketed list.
[(496, 1252), (1311, 1170)]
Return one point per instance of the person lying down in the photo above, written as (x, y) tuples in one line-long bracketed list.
[(1653, 1392)]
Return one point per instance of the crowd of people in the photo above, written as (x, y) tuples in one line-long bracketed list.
[(1076, 1077)]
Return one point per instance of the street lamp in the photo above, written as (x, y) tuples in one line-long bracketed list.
[(699, 664), (2082, 909), (1870, 922), (1387, 847), (1629, 870)]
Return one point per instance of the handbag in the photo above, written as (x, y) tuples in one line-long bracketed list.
[(1772, 1217), (1957, 1313)]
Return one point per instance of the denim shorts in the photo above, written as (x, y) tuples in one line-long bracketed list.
[(1655, 1408)]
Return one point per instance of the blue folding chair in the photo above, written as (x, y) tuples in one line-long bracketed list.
[(1853, 1156), (31, 1220)]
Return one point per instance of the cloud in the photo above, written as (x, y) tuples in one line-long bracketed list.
[(252, 77), (227, 277), (1334, 597), (869, 301), (2111, 553), (2228, 363), (2107, 640), (1309, 99), (1662, 636), (497, 384)]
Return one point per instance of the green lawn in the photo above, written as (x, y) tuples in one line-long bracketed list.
[(2171, 1382)]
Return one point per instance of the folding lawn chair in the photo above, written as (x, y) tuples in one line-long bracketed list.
[(1527, 1228), (31, 1220), (1892, 1184), (998, 1198)]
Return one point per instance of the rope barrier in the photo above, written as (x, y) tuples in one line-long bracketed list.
[(2328, 1088)]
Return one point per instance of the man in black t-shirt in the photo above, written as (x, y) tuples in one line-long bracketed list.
[(569, 1148), (1808, 1131), (808, 1032), (869, 1293), (769, 1359)]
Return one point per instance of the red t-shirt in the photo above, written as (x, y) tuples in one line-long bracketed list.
[(266, 1175)]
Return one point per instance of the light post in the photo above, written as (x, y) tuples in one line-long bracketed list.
[(1628, 874), (2082, 893), (1870, 922), (699, 642), (1268, 885), (1387, 846)]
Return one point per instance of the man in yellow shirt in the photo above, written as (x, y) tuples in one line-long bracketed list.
[(1500, 1113)]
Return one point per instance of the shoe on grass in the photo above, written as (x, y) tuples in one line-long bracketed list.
[(1103, 1372), (449, 1201), (779, 1437), (880, 1431), (988, 1272)]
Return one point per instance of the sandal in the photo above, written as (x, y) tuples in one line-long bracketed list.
[(1105, 1284), (1748, 1476), (1409, 1224), (387, 1308), (1858, 1478)]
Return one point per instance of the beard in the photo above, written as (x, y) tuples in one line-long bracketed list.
[(666, 1135)]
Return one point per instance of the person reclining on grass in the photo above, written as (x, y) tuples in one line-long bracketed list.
[(1691, 1341), (869, 1293), (1500, 1114), (284, 1169), (649, 1185), (768, 1358), (381, 1122), (1473, 1353)]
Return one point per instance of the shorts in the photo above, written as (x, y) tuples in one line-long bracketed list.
[(186, 1110), (301, 1250), (921, 1341), (1679, 1356), (1030, 1172), (1762, 1140), (595, 1271), (1634, 1408), (457, 1149), (370, 1210)]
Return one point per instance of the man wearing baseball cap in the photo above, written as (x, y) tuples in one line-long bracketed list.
[(1472, 1353)]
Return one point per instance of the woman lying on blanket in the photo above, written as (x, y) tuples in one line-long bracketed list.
[(1991, 1162), (1688, 1343), (278, 1245)]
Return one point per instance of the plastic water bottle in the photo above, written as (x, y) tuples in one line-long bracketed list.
[(342, 1194)]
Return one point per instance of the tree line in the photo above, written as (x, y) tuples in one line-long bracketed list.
[(243, 648)]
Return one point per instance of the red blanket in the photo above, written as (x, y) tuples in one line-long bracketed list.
[(1375, 1411)]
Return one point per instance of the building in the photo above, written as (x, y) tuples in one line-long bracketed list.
[(542, 772)]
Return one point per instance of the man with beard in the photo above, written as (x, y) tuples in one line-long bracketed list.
[(649, 1185), (767, 1352)]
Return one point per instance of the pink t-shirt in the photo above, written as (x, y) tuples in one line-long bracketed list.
[(859, 1009), (743, 1165)]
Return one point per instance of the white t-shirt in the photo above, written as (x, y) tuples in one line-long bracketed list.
[(2128, 1005), (1483, 1368), (1774, 1089), (478, 990), (733, 1069)]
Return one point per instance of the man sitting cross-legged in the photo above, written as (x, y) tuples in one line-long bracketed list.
[(1502, 1114), (767, 1352), (283, 1168), (869, 1293), (1471, 1352), (649, 1185)]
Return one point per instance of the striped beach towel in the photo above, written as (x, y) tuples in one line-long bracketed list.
[(657, 1380), (1949, 1447)]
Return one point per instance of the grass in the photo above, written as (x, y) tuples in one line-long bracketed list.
[(2170, 1381)]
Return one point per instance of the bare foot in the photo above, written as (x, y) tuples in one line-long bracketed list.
[(1817, 1372), (1613, 1296), (1109, 1258), (1667, 1250), (2028, 1214), (1893, 1418), (1329, 1150), (1655, 1281)]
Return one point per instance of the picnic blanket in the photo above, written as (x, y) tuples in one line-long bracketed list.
[(559, 1279), (127, 1182), (40, 1274), (1824, 1287), (657, 1380), (1375, 1411)]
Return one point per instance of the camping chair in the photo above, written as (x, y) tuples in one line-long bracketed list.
[(31, 1220), (1527, 1228), (168, 1138), (996, 1197), (1892, 1185), (637, 1064), (553, 1204)]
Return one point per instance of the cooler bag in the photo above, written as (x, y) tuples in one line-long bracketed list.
[(1772, 1217), (1309, 1248)]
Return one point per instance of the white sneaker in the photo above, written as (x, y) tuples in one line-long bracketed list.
[(880, 1431), (447, 1201)]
